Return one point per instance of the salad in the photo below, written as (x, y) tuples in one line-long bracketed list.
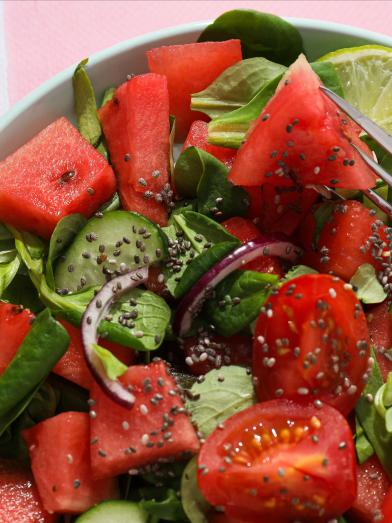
[(204, 339)]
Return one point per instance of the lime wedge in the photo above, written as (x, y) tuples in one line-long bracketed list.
[(366, 76)]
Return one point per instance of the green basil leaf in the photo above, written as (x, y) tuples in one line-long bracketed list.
[(40, 350), (223, 393), (169, 508), (296, 271), (8, 271), (251, 288), (201, 264), (366, 285), (329, 77), (195, 506), (261, 34), (114, 368), (373, 424), (86, 105), (63, 234), (236, 86), (187, 172)]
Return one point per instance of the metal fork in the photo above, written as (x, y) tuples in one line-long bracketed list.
[(380, 136)]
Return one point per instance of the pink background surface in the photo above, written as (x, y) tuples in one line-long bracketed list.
[(44, 37)]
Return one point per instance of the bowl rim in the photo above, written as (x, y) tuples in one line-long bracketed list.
[(126, 45)]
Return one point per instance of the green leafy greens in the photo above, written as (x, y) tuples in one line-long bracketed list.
[(366, 284)]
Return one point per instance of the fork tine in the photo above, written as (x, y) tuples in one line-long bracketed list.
[(372, 129), (379, 202), (382, 173)]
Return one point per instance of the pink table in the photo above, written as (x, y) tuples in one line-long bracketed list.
[(39, 38)]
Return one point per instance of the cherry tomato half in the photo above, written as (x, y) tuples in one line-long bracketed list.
[(312, 343), (280, 460)]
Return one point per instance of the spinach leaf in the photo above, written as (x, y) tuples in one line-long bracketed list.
[(108, 95), (238, 299), (23, 292), (63, 234), (236, 86), (193, 502), (261, 34), (112, 205), (322, 215), (31, 251), (180, 207), (328, 75), (201, 264), (199, 174), (114, 368), (366, 285), (70, 396), (218, 399), (9, 266), (86, 105), (372, 423), (201, 230), (5, 233), (230, 129), (295, 272), (43, 346), (363, 446), (168, 507)]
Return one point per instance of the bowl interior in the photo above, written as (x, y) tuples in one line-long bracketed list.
[(110, 67)]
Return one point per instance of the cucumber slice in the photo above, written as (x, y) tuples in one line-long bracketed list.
[(118, 511), (119, 240)]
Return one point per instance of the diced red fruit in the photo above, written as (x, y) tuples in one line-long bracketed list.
[(345, 240), (19, 499), (245, 231), (154, 428), (155, 283), (373, 485), (136, 127), (387, 507), (314, 343), (213, 351), (301, 136), (73, 366), (55, 174), (190, 68), (287, 451), (255, 196), (284, 208), (15, 323), (60, 460), (198, 137), (380, 331)]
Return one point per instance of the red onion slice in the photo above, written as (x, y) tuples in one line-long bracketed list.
[(96, 310), (192, 302)]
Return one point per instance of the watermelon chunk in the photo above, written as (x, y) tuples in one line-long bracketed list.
[(55, 174), (136, 127), (302, 136), (19, 499), (190, 68), (198, 137), (73, 366), (60, 460), (15, 323), (154, 428)]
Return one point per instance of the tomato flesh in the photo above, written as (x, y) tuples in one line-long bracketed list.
[(312, 342), (282, 460)]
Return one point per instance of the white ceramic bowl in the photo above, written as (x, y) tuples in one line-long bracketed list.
[(109, 67)]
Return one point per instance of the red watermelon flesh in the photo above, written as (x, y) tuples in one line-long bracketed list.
[(380, 330), (19, 499), (60, 460), (15, 323), (136, 127), (198, 137), (302, 136), (73, 366), (55, 174), (190, 68), (154, 428)]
